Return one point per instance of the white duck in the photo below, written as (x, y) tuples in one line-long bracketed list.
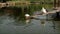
[(44, 10), (27, 16)]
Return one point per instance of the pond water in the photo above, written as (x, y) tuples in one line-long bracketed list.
[(10, 23)]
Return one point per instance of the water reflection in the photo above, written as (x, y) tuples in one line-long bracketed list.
[(27, 21), (54, 27), (9, 24), (12, 21), (43, 22)]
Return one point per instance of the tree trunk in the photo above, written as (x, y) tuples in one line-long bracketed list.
[(54, 3)]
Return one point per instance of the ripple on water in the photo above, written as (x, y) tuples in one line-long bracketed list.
[(10, 26)]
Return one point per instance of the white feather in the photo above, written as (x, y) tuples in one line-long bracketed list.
[(27, 15), (44, 10)]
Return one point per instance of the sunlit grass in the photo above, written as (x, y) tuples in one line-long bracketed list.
[(48, 6)]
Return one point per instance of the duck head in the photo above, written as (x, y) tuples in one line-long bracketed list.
[(27, 16)]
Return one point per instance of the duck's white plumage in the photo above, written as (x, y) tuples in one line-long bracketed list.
[(27, 15), (44, 10)]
